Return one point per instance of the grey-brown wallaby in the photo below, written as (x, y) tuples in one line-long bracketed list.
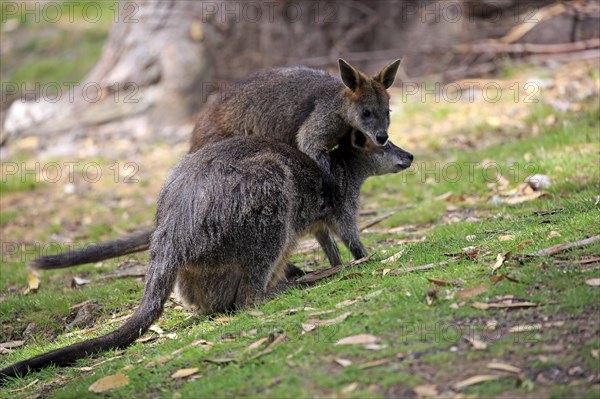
[(228, 216), (303, 107)]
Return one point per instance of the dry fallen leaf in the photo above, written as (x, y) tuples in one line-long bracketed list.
[(224, 319), (11, 344), (321, 312), (470, 251), (497, 278), (595, 353), (347, 302), (373, 363), (156, 329), (525, 328), (109, 383), (553, 234), (360, 339), (329, 322), (394, 257), (473, 291), (33, 282), (182, 373), (593, 282), (79, 281), (477, 343), (431, 296), (255, 313), (258, 343), (500, 258), (160, 360), (508, 237), (503, 367), (500, 305), (375, 347), (308, 327), (471, 238), (342, 362), (524, 198), (474, 380), (277, 340), (426, 390), (350, 388), (440, 283)]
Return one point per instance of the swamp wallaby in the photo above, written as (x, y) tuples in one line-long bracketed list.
[(303, 107), (227, 219)]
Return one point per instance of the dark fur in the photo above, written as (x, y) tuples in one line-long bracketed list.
[(135, 242), (303, 107), (227, 219)]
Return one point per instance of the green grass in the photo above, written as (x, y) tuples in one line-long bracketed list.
[(429, 337), (53, 43), (12, 183)]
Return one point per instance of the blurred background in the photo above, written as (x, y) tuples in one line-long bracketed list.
[(105, 70)]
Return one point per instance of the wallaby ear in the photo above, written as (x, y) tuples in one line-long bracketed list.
[(358, 139), (350, 76), (387, 75)]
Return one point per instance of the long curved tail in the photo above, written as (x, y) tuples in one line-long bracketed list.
[(159, 284), (135, 242)]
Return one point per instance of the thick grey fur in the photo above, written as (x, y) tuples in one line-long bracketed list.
[(227, 219)]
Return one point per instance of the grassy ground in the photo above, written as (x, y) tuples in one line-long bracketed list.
[(51, 42), (427, 336)]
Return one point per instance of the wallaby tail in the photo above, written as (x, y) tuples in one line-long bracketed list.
[(135, 242), (159, 284)]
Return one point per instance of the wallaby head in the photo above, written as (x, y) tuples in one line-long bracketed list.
[(377, 160), (367, 100)]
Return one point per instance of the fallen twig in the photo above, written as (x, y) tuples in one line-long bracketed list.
[(529, 48), (582, 261), (429, 266), (312, 277), (374, 221), (560, 247)]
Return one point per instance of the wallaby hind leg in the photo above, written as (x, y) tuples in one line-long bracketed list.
[(259, 280), (351, 239), (251, 291), (329, 246), (206, 289)]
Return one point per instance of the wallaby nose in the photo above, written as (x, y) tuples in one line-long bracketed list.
[(381, 138), (410, 156)]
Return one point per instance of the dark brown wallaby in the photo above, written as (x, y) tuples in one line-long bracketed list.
[(303, 107), (227, 218)]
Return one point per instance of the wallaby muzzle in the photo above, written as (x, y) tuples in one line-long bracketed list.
[(405, 159)]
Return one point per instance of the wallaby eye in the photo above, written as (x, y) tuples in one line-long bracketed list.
[(366, 113)]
